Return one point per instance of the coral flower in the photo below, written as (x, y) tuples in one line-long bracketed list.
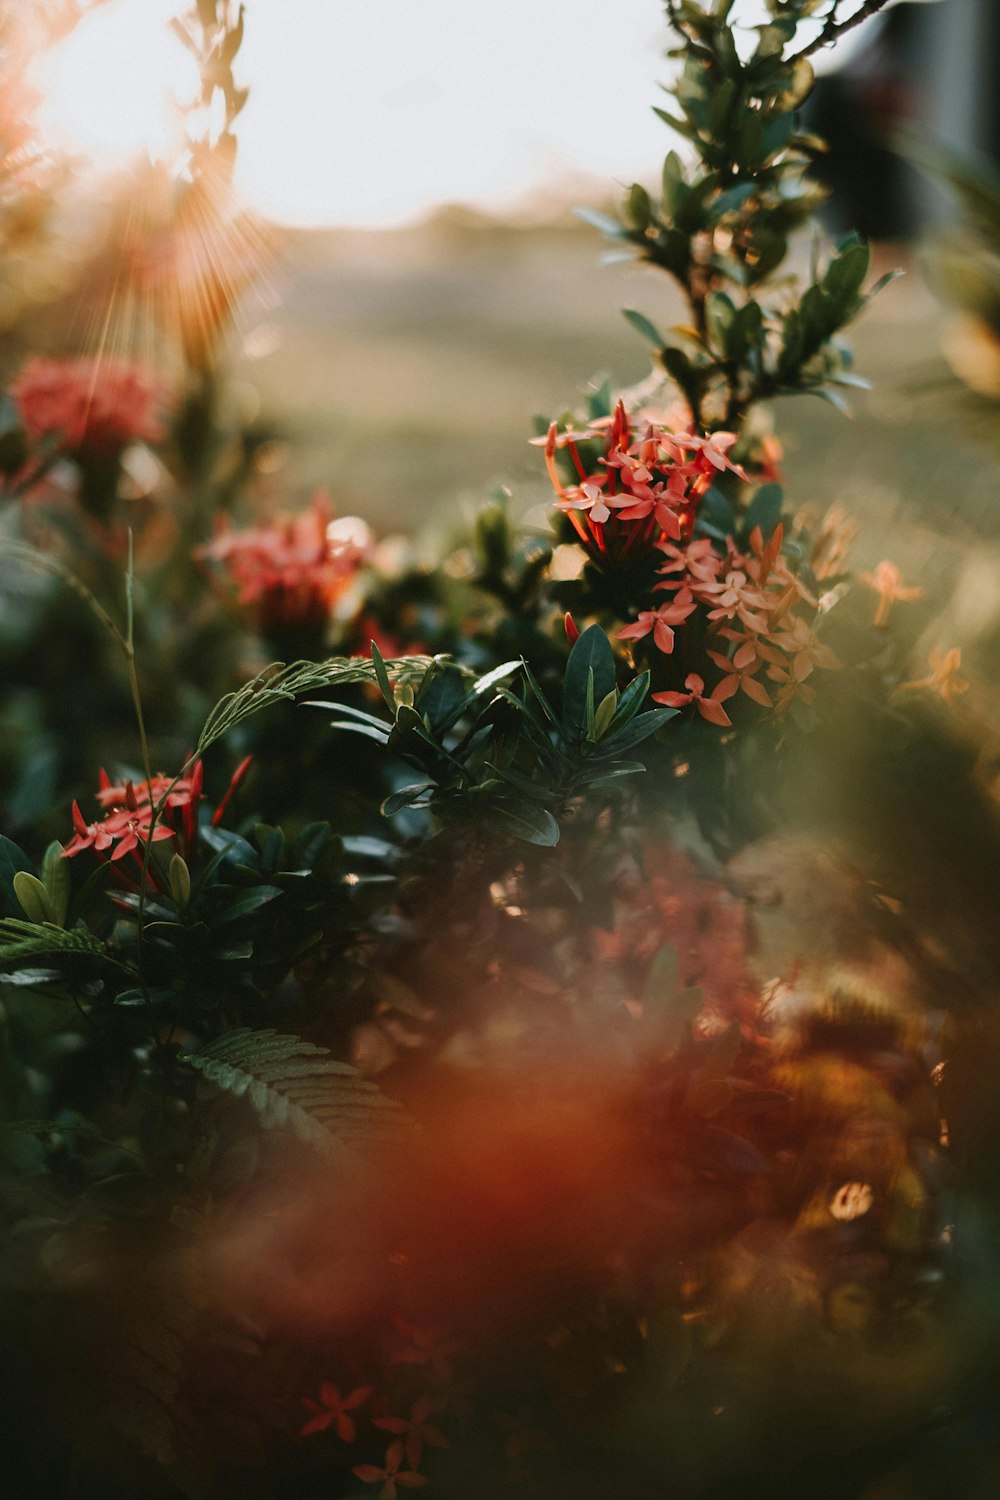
[(291, 570), (660, 622), (92, 406), (710, 708)]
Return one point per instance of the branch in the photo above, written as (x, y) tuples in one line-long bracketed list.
[(835, 29)]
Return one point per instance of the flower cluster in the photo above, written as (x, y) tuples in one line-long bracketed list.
[(641, 497), (291, 570), (645, 486), (128, 815), (749, 601), (93, 407)]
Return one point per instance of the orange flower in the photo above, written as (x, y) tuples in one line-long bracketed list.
[(944, 677), (887, 581)]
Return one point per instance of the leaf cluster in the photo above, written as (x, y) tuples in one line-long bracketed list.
[(497, 754), (720, 222)]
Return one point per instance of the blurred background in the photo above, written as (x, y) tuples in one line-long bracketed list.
[(410, 286)]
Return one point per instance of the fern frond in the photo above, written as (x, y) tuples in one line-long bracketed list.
[(20, 940), (278, 683), (296, 1085)]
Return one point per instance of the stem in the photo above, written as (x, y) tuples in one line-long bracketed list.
[(834, 28), (133, 678)]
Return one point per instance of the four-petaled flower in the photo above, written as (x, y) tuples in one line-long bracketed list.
[(944, 678), (334, 1410), (415, 1430), (660, 622), (710, 708), (391, 1473), (887, 581), (740, 674)]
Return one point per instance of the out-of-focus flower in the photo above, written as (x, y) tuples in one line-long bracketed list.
[(291, 571), (334, 1410), (887, 581), (391, 1473), (944, 678), (833, 543), (415, 1430), (851, 1201), (91, 406)]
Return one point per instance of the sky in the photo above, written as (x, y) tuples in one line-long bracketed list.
[(371, 113)]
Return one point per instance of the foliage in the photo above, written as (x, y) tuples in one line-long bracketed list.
[(600, 1148)]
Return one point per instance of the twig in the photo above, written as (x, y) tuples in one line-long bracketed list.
[(834, 29)]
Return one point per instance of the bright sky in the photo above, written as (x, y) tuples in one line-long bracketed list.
[(372, 112)]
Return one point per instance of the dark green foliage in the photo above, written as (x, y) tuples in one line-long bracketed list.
[(720, 222), (295, 1085)]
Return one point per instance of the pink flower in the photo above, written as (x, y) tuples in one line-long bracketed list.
[(334, 1410), (93, 406)]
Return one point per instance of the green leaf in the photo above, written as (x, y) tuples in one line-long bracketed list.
[(764, 510), (12, 861), (716, 516), (247, 903), (638, 206), (382, 678), (638, 729), (57, 879), (630, 702), (406, 796), (642, 325), (310, 845), (604, 713), (525, 820), (35, 900), (589, 669)]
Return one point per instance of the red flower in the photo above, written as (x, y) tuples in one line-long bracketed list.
[(291, 570), (390, 1475), (128, 814), (333, 1410), (94, 406)]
